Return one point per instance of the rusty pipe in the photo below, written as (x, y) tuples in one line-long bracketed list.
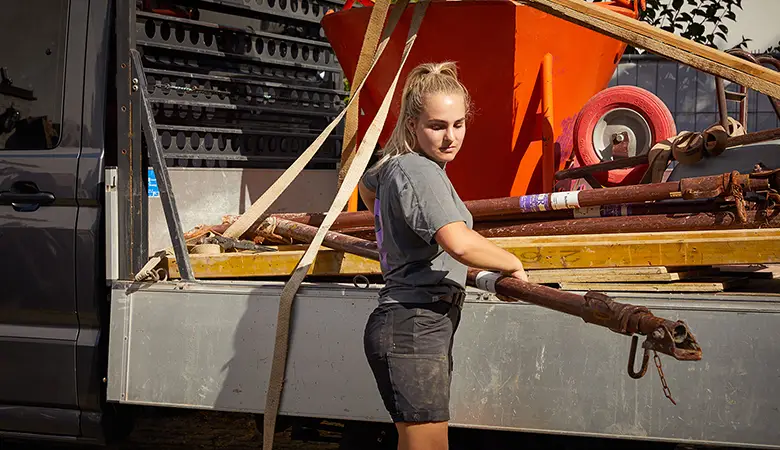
[(687, 188), (673, 338), (629, 209), (597, 309), (298, 232), (489, 223), (722, 220)]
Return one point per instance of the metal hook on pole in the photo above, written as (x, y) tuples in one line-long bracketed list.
[(632, 360)]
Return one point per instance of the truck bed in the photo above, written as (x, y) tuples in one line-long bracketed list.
[(517, 366)]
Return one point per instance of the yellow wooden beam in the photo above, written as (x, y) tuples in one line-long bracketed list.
[(241, 265), (689, 248)]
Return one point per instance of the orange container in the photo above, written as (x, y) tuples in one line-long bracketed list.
[(499, 47)]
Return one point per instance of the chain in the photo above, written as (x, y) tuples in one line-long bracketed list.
[(667, 392)]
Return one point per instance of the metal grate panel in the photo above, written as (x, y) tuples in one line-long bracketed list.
[(250, 82)]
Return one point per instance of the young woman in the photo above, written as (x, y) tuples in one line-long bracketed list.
[(425, 242)]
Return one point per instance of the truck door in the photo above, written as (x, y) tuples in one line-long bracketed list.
[(41, 86)]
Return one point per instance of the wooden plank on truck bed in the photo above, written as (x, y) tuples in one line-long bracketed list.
[(615, 270), (693, 286), (661, 42), (245, 264), (684, 248), (617, 274)]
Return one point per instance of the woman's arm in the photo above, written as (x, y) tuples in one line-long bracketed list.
[(472, 249), (367, 195)]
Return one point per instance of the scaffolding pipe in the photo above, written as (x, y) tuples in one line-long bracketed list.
[(706, 187)]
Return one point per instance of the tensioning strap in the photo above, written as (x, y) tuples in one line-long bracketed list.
[(370, 41)]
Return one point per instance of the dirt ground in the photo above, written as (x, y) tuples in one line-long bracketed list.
[(200, 430), (195, 431)]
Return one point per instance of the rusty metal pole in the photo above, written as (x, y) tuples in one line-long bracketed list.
[(636, 224), (534, 207), (722, 219), (687, 188), (362, 221), (274, 226), (723, 112), (668, 337)]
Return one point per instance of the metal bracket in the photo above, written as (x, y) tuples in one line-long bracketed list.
[(157, 159)]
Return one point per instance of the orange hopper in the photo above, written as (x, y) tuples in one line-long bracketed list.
[(499, 47)]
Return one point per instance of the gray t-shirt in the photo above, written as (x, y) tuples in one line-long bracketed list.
[(414, 199)]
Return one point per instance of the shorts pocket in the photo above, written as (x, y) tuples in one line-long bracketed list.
[(421, 383), (433, 331)]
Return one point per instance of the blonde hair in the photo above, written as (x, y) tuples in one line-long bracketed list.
[(425, 79)]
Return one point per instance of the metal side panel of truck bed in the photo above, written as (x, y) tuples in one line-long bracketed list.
[(518, 366)]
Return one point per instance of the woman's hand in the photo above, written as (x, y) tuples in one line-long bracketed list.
[(520, 275)]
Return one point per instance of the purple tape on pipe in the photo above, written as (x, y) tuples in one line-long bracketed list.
[(535, 203)]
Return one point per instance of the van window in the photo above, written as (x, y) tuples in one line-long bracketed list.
[(33, 34)]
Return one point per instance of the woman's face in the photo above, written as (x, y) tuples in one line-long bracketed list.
[(441, 127)]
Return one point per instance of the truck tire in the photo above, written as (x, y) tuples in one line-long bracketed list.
[(630, 109)]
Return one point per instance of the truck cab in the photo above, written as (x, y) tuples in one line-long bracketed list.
[(53, 122)]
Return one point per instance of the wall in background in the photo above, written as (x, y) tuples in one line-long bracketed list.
[(689, 93)]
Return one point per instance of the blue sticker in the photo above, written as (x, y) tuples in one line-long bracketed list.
[(153, 190)]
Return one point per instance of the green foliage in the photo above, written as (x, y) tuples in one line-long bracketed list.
[(701, 21)]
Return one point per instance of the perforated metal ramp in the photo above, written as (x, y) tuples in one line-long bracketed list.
[(240, 83)]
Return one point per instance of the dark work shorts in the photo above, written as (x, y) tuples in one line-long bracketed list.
[(409, 349)]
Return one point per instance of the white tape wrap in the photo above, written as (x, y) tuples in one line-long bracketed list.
[(487, 281), (565, 200)]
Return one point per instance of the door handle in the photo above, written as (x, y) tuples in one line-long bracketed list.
[(26, 201)]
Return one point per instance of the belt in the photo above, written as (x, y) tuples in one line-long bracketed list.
[(457, 298)]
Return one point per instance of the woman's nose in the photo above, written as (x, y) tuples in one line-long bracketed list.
[(451, 134)]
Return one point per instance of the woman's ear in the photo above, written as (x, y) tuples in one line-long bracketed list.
[(411, 124)]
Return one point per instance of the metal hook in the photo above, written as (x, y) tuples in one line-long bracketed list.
[(632, 358), (361, 279)]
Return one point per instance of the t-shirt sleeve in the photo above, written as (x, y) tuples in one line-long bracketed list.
[(371, 179), (427, 203)]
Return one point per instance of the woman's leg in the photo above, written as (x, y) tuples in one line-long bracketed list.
[(422, 436)]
